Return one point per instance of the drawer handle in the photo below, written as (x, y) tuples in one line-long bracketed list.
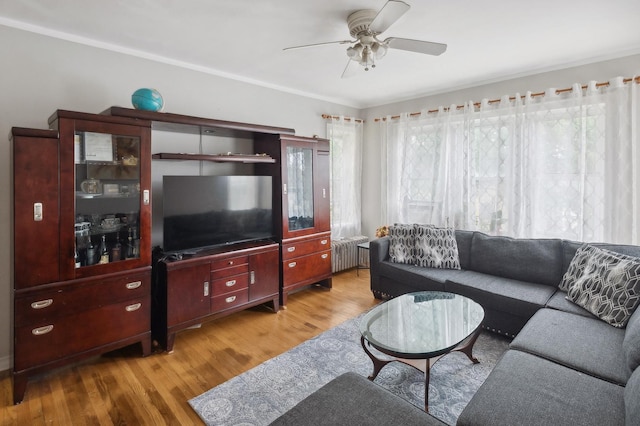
[(42, 303), (205, 287), (291, 249), (134, 285), (292, 265), (324, 256), (230, 263), (324, 242), (230, 283), (230, 299), (133, 307), (42, 330)]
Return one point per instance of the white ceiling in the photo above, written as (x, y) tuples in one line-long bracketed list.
[(487, 40)]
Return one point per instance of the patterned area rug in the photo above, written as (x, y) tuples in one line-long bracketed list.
[(260, 395)]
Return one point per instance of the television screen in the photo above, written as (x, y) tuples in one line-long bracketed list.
[(208, 211)]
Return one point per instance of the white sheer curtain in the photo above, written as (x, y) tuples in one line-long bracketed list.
[(561, 165), (346, 138)]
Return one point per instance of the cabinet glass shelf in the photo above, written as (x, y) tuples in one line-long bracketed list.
[(107, 197)]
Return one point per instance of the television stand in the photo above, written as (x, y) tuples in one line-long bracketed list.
[(211, 284)]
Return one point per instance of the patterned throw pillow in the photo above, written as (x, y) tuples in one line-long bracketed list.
[(436, 247), (576, 267), (608, 285), (402, 242)]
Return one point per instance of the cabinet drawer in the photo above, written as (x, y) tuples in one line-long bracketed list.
[(229, 262), (302, 248), (48, 341), (230, 271), (230, 284), (229, 300), (306, 268), (47, 305)]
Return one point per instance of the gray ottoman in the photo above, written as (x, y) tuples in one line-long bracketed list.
[(351, 399)]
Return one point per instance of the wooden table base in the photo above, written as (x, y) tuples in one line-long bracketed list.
[(466, 347)]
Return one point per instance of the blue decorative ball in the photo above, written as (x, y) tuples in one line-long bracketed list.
[(147, 100)]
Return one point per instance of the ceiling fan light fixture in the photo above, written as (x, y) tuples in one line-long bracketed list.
[(379, 50), (367, 60), (365, 26), (355, 52)]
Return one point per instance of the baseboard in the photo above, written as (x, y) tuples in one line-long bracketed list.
[(5, 363)]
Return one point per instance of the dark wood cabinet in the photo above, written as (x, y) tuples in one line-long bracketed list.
[(84, 279), (187, 297), (36, 207), (65, 307), (303, 201), (212, 284)]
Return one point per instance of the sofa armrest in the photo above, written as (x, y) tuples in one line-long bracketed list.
[(378, 252)]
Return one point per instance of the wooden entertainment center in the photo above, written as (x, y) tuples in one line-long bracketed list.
[(86, 280)]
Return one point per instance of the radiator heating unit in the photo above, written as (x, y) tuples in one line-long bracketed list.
[(344, 253)]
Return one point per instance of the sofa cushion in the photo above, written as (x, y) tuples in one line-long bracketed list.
[(351, 399), (422, 279), (631, 343), (402, 243), (559, 301), (501, 294), (463, 238), (605, 283), (525, 390), (584, 344), (532, 260), (436, 247), (632, 399)]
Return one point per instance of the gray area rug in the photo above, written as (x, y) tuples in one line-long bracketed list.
[(260, 395)]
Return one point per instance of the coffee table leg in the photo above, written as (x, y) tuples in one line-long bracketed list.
[(427, 370), (377, 363), (467, 348)]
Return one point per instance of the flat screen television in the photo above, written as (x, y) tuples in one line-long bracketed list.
[(208, 211)]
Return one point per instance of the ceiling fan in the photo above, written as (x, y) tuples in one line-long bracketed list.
[(366, 25)]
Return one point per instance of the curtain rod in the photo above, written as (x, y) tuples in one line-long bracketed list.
[(511, 98), (356, 120)]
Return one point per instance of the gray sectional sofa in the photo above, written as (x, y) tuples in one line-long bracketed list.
[(511, 278), (564, 365)]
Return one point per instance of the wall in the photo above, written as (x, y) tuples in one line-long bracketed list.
[(602, 71), (41, 74)]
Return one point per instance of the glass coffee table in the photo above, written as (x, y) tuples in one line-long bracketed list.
[(419, 328)]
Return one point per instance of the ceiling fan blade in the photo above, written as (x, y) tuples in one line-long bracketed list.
[(390, 13), (352, 69), (419, 46), (304, 46)]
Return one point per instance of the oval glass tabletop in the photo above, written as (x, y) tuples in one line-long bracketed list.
[(421, 325)]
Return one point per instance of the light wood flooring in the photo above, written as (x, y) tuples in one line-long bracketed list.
[(122, 388)]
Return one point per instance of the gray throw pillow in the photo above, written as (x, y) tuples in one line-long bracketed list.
[(436, 247), (576, 268), (402, 241), (608, 285)]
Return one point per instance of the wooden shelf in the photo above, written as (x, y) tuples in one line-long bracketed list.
[(222, 158)]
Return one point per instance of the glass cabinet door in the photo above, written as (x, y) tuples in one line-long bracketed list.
[(107, 198), (300, 188)]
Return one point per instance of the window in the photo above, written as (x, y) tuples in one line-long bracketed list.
[(526, 168), (346, 170)]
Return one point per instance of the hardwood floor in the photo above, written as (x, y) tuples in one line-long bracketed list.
[(122, 388)]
